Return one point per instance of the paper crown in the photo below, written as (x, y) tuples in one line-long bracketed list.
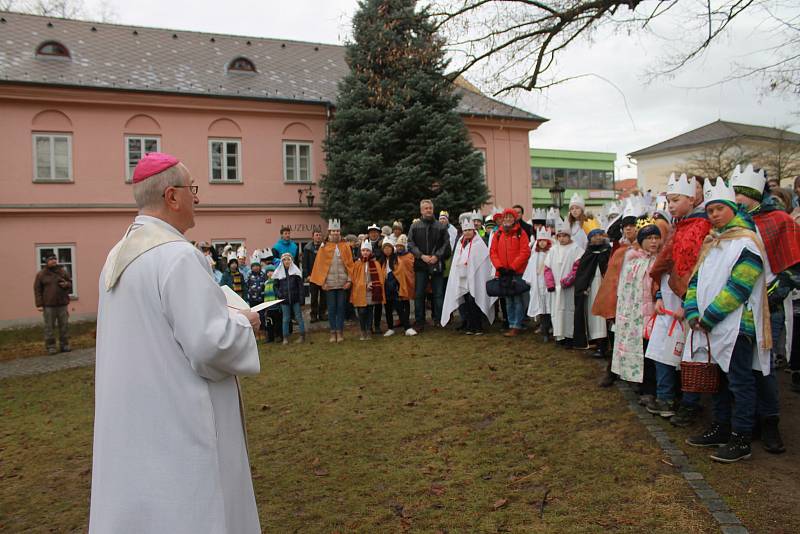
[(366, 245), (634, 207), (467, 224), (334, 224), (577, 200), (539, 214), (748, 178), (241, 252), (444, 214), (476, 216), (718, 190), (543, 233), (562, 227), (466, 216), (681, 186), (644, 221), (612, 208)]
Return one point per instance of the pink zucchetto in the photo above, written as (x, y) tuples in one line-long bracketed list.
[(152, 164)]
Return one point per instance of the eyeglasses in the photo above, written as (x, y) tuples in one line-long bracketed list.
[(193, 188)]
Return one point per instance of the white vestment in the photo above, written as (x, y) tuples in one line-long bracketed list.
[(453, 235), (669, 334), (470, 269), (560, 260), (579, 235), (595, 324), (534, 274), (169, 440), (712, 276)]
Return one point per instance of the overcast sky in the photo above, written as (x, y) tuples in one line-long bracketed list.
[(585, 114)]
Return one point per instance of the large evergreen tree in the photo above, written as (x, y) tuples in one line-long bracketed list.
[(395, 137)]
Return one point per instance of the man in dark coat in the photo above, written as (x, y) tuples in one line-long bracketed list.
[(595, 258), (429, 242), (51, 290), (318, 303)]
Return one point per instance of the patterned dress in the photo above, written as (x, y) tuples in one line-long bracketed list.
[(634, 307)]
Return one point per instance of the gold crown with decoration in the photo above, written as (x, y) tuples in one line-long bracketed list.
[(645, 221)]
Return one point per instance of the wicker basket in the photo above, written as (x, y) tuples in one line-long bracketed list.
[(699, 377)]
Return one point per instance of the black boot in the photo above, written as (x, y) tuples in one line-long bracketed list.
[(608, 378), (685, 416), (737, 448), (716, 436), (771, 435)]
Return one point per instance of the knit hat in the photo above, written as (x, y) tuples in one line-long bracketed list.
[(386, 230), (594, 232), (397, 224), (373, 226), (646, 227), (749, 192), (402, 240), (386, 242)]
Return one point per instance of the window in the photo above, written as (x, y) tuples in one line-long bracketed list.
[(242, 64), (296, 162), (224, 157), (484, 172), (66, 258), (135, 148), (608, 179), (52, 157), (573, 179), (52, 49), (559, 175)]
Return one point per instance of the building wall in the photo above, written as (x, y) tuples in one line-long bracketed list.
[(653, 170), (92, 212)]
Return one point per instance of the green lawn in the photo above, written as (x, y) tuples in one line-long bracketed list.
[(29, 340), (438, 433)]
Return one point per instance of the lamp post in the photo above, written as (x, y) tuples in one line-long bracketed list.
[(557, 194), (309, 194)]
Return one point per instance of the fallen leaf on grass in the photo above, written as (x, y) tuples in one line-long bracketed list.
[(492, 368), (411, 403), (320, 472), (437, 489), (499, 503)]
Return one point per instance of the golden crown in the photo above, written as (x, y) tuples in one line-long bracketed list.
[(645, 221)]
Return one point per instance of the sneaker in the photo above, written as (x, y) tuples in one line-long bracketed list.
[(362, 337), (646, 400), (52, 350), (340, 337), (389, 333), (469, 332), (285, 341), (599, 354), (715, 436), (65, 348), (332, 338), (737, 448), (478, 332), (411, 332), (663, 408), (513, 332), (771, 435), (685, 416)]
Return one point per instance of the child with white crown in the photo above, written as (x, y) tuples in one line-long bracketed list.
[(726, 307)]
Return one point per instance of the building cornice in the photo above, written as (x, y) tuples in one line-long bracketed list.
[(131, 208)]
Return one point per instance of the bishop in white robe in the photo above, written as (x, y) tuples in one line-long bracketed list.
[(560, 260), (170, 452)]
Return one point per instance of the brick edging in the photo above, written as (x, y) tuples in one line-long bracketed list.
[(727, 520)]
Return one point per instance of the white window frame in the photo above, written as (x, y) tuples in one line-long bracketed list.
[(297, 145), (73, 265), (224, 141), (52, 178), (142, 139)]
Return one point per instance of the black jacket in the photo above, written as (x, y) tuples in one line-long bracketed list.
[(527, 228), (430, 238), (309, 255), (290, 289)]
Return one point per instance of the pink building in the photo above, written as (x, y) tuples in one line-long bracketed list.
[(80, 102)]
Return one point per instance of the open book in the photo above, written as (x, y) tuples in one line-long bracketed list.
[(238, 303)]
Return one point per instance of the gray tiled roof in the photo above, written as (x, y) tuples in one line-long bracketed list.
[(718, 131), (112, 56)]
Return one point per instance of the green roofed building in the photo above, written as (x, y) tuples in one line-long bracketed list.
[(590, 174)]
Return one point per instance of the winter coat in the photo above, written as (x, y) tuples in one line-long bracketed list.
[(255, 287), (290, 289), (309, 256), (286, 246), (52, 287), (429, 237), (510, 250)]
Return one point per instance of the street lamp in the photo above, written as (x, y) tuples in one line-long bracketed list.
[(309, 196), (557, 194)]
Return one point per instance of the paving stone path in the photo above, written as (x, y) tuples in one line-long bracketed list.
[(37, 365)]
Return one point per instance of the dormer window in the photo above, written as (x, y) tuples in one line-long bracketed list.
[(52, 49), (242, 64)]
